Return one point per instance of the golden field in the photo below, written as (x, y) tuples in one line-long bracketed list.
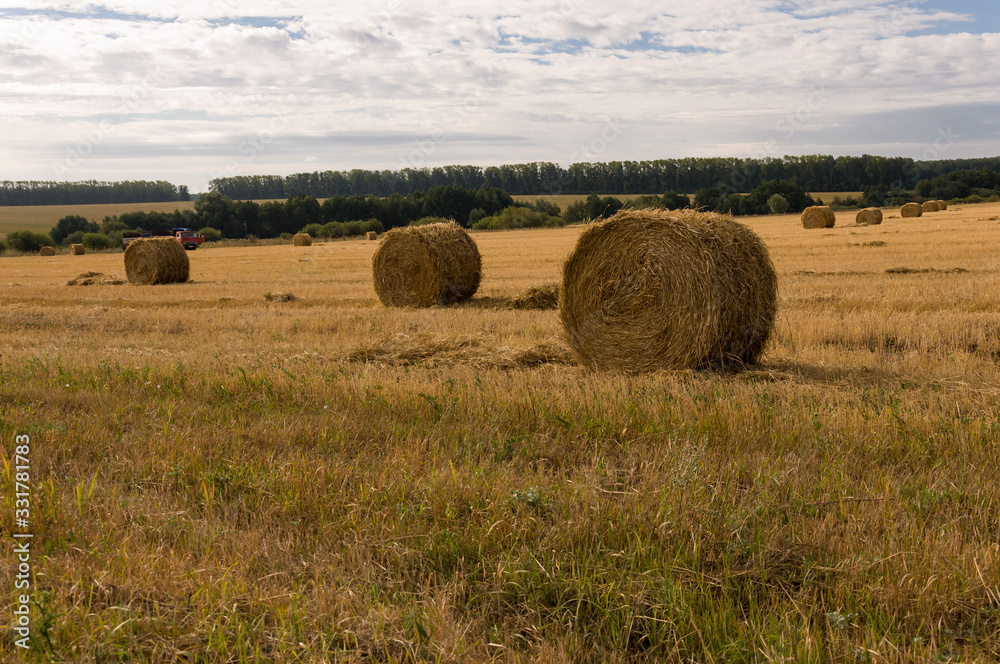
[(217, 477)]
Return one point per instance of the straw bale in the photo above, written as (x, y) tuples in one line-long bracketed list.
[(302, 240), (930, 206), (911, 210), (818, 216), (869, 217), (545, 296), (156, 260), (650, 289), (942, 205), (47, 251), (77, 250), (420, 266), (371, 235)]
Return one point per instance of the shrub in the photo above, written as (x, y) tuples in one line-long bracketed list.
[(476, 214), (70, 224), (211, 234), (76, 237), (96, 241), (283, 236), (778, 204), (518, 217), (28, 241), (112, 224), (372, 225), (995, 198), (3, 246), (314, 230)]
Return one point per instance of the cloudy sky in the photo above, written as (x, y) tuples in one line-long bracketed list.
[(187, 91)]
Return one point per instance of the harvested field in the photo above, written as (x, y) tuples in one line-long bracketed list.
[(328, 479)]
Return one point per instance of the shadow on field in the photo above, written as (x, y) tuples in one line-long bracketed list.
[(786, 370)]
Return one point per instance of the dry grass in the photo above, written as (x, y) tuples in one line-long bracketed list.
[(217, 478)]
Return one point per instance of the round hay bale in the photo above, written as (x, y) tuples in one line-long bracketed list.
[(930, 206), (371, 235), (942, 205), (47, 251), (77, 250), (652, 289), (302, 240), (156, 260), (420, 266), (818, 216), (866, 217), (911, 210)]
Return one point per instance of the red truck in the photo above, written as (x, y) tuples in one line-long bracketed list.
[(188, 238)]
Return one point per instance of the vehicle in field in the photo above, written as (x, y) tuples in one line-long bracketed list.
[(187, 237)]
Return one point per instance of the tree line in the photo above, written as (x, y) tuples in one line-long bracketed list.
[(687, 175), (37, 192)]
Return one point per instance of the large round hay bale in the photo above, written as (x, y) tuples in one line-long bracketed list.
[(911, 210), (420, 266), (302, 240), (47, 251), (77, 250), (818, 216), (156, 260), (651, 289), (371, 235), (865, 217), (942, 205), (930, 206)]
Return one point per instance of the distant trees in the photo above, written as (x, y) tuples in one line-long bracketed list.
[(732, 175), (32, 192), (69, 225), (961, 184)]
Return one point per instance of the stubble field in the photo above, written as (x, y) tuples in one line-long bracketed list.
[(222, 478)]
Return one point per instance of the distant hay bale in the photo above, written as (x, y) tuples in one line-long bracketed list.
[(930, 206), (942, 205), (818, 216), (651, 289), (371, 235), (420, 266), (538, 297), (156, 260), (302, 240), (869, 217), (47, 251), (911, 210), (77, 250)]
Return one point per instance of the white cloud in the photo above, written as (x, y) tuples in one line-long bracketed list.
[(716, 77)]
